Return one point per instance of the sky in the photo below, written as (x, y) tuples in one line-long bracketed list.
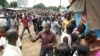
[(46, 2)]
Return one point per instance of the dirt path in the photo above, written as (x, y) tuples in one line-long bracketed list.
[(29, 48)]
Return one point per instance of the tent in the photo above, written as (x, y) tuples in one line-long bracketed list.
[(92, 9), (93, 13)]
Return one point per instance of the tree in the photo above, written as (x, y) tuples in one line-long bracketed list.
[(54, 8), (59, 6), (2, 3), (6, 4), (40, 6), (13, 4)]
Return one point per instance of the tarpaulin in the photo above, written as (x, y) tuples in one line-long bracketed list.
[(93, 14), (77, 6)]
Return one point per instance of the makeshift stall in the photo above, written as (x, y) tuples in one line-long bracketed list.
[(91, 7)]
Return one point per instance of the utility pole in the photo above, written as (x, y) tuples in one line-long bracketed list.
[(34, 2), (13, 4), (41, 6), (60, 3)]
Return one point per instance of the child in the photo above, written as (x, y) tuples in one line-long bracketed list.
[(67, 34), (78, 34), (75, 42), (80, 30), (62, 50), (11, 49), (4, 41)]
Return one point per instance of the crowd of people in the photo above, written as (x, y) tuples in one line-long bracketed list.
[(74, 41)]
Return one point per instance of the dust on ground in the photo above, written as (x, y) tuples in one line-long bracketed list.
[(29, 48)]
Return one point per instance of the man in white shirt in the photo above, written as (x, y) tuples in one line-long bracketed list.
[(67, 34), (4, 41), (11, 48), (54, 26), (68, 37)]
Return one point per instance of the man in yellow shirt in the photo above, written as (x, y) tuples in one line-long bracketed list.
[(66, 21)]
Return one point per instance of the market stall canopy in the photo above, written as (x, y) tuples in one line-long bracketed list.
[(16, 9), (93, 13)]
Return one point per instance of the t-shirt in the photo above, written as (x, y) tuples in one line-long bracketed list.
[(64, 34), (54, 26), (4, 42), (46, 39), (13, 23), (11, 50), (25, 22), (34, 21), (44, 22), (29, 18), (2, 15), (65, 23)]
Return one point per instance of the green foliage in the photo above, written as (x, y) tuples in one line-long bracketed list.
[(6, 4), (59, 6), (13, 4), (40, 6), (3, 3), (54, 8)]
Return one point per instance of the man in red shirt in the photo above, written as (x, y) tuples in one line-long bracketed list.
[(48, 40), (25, 25)]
